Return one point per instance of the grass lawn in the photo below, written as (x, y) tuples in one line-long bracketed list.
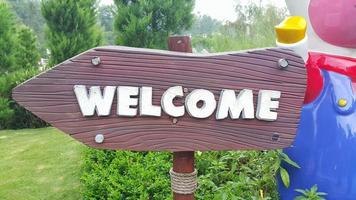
[(39, 164)]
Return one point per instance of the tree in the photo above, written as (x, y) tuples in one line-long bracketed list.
[(29, 13), (27, 54), (7, 38), (205, 25), (106, 19), (148, 23), (258, 21), (71, 27), (253, 28)]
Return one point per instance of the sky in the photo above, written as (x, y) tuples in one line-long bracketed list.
[(223, 10)]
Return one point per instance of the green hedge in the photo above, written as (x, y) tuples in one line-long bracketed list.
[(13, 115), (124, 175), (247, 175)]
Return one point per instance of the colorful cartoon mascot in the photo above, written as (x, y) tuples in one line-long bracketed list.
[(325, 145)]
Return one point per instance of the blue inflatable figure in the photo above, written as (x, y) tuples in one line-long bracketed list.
[(325, 145)]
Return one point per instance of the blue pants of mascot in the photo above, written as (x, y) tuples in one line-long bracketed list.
[(325, 145)]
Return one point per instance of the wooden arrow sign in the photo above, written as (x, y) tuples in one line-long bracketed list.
[(140, 99)]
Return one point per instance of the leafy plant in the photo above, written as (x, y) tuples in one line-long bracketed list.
[(282, 171), (237, 175), (311, 194)]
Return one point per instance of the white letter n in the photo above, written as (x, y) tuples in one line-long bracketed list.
[(95, 100)]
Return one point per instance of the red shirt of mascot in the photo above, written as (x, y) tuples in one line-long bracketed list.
[(325, 145)]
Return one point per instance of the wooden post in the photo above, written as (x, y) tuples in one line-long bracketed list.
[(180, 44), (183, 162)]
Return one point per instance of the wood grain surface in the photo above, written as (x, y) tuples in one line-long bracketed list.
[(50, 96)]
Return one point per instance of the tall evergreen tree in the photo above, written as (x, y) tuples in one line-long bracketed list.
[(7, 38), (27, 54), (148, 23), (29, 13), (71, 27)]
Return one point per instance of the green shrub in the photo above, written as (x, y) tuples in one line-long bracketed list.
[(6, 113), (124, 175), (9, 81), (13, 115), (222, 175)]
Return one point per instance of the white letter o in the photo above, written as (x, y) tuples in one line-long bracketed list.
[(209, 103)]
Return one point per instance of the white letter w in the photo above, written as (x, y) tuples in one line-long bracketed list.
[(95, 100)]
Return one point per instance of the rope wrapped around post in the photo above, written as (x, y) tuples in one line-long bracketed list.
[(183, 183)]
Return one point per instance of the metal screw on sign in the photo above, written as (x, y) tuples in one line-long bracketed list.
[(283, 63), (99, 138), (175, 120), (96, 61), (275, 137)]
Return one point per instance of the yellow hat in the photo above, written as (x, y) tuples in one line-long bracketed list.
[(291, 30)]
